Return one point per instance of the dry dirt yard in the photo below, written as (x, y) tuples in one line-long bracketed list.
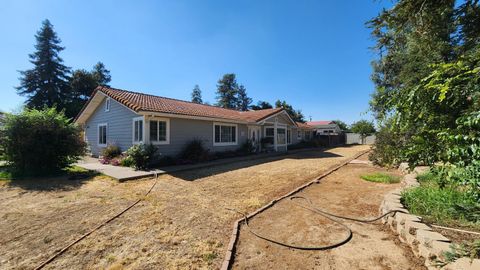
[(182, 224), (344, 193)]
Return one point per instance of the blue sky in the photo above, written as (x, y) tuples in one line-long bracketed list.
[(313, 54)]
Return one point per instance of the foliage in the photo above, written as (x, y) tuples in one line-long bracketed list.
[(381, 178), (111, 151), (261, 105), (385, 149), (363, 127), (243, 101), (142, 155), (40, 141), (342, 125), (46, 84), (197, 95), (471, 250), (127, 162), (227, 90), (82, 84), (50, 83), (442, 201), (194, 151), (248, 147), (296, 115)]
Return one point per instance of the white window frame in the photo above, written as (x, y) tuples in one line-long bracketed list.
[(284, 128), (225, 143), (289, 131), (265, 131), (133, 129), (167, 138), (98, 134), (108, 103)]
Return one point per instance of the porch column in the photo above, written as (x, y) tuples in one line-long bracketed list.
[(275, 135)]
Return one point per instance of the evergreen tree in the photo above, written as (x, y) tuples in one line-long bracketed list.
[(101, 74), (261, 105), (243, 99), (296, 115), (197, 95), (46, 84), (82, 85), (227, 89)]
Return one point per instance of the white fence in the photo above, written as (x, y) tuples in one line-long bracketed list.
[(355, 138)]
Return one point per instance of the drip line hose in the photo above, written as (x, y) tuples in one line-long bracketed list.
[(325, 214), (54, 256)]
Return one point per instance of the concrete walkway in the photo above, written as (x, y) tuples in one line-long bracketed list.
[(126, 173)]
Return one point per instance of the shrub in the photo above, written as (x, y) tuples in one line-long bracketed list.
[(381, 178), (247, 147), (385, 151), (126, 162), (194, 151), (142, 155), (111, 151), (40, 142)]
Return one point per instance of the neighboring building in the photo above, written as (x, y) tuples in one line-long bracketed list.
[(125, 118), (325, 127), (305, 132)]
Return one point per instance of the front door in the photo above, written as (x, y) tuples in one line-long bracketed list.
[(254, 136)]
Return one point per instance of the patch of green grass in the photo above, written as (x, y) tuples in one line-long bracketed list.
[(381, 178), (449, 205)]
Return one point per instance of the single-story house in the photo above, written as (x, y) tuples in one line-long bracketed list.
[(325, 127), (125, 118)]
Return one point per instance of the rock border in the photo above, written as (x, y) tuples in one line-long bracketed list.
[(423, 241), (229, 255)]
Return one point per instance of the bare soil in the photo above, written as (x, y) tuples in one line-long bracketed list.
[(182, 224), (344, 193)]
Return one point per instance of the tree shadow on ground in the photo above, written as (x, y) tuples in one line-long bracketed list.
[(64, 182), (195, 174)]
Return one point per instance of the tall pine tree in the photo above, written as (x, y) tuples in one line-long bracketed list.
[(227, 89), (197, 95), (46, 84), (243, 99)]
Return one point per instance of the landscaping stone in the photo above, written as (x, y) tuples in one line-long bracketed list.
[(424, 242)]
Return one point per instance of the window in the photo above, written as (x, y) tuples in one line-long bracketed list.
[(299, 134), (281, 136), (138, 129), (269, 132), (289, 136), (107, 105), (159, 131), (224, 134), (102, 134)]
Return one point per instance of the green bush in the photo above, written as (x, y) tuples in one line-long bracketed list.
[(126, 162), (385, 151), (111, 151), (39, 142), (142, 155), (194, 151)]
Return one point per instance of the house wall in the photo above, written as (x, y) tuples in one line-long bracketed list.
[(119, 126), (182, 131)]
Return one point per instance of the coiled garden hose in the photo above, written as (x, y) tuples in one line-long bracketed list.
[(325, 214)]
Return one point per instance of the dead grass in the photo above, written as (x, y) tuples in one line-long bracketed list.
[(183, 224)]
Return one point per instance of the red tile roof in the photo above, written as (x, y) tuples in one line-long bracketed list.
[(144, 102), (319, 123), (303, 125)]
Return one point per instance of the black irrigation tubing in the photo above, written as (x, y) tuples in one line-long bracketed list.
[(49, 260), (327, 215)]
